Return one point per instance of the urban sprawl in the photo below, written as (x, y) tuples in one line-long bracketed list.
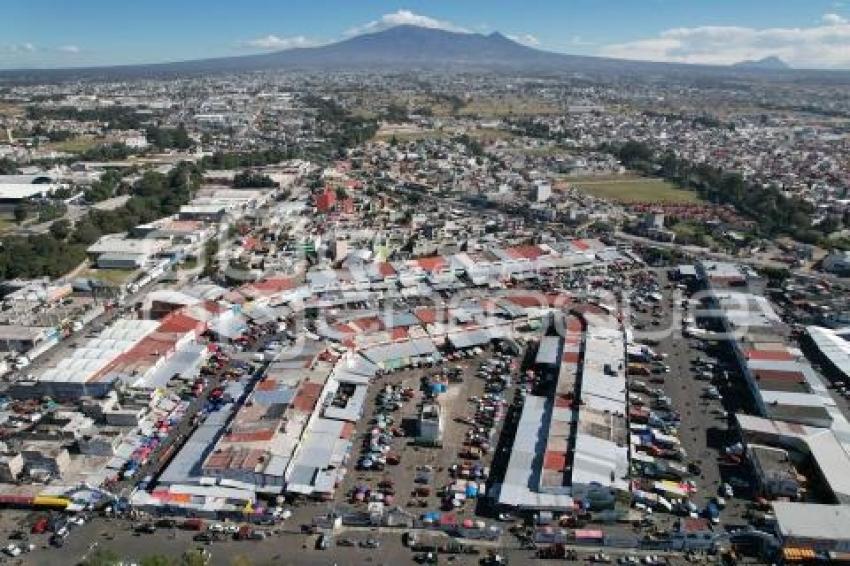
[(466, 318)]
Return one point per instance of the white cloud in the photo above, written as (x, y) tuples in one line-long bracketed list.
[(25, 47), (525, 39), (822, 46), (402, 18), (833, 19), (273, 42), (69, 49)]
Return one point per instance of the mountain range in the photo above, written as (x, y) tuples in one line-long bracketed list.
[(408, 48), (770, 63)]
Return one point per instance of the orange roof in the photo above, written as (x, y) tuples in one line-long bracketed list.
[(570, 357), (426, 315), (431, 264), (554, 460), (368, 324), (399, 333), (772, 355), (525, 301), (251, 436), (213, 307), (307, 396), (590, 309), (180, 322), (268, 384), (184, 225), (386, 269), (273, 285), (580, 244), (344, 328), (525, 252)]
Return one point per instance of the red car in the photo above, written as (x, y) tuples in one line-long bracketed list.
[(40, 526)]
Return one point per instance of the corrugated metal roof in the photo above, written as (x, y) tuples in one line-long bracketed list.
[(547, 353), (812, 521)]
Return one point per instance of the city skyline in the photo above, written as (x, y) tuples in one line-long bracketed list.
[(46, 34)]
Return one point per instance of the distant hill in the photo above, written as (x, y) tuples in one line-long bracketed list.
[(772, 63), (409, 48)]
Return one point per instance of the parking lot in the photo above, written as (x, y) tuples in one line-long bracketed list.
[(702, 390), (423, 471)]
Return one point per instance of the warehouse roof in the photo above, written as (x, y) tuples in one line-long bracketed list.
[(834, 346), (813, 521), (518, 487), (547, 353)]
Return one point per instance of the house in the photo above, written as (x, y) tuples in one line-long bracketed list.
[(326, 200)]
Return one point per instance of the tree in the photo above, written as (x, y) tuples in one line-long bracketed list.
[(105, 187), (168, 138), (210, 257), (86, 232), (776, 275), (395, 113), (247, 179), (60, 229), (21, 212), (8, 167)]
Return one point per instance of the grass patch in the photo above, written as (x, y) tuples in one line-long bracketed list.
[(484, 135), (509, 106), (635, 189), (78, 144), (114, 277)]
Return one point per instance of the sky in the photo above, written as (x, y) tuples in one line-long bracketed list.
[(65, 33)]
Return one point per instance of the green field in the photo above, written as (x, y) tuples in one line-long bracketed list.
[(484, 135), (78, 144), (634, 189)]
